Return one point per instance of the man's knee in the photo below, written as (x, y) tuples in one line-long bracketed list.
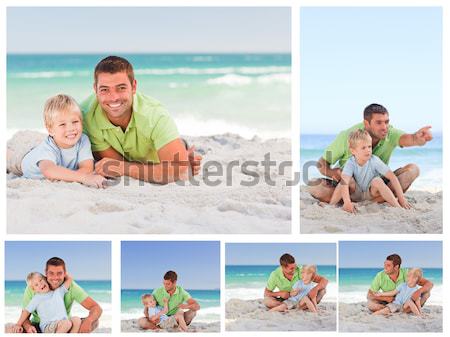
[(375, 306), (414, 169), (320, 189), (143, 323), (269, 302), (424, 297), (65, 324)]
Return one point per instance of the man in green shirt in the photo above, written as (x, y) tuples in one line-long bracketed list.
[(385, 139), (132, 134), (178, 301), (282, 279), (389, 279), (55, 272)]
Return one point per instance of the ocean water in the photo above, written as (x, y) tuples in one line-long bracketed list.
[(100, 291), (209, 301), (248, 282), (355, 282), (248, 94), (428, 158)]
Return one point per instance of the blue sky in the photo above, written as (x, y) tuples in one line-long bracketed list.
[(372, 254), (144, 263), (269, 253), (351, 57), (146, 29), (88, 260)]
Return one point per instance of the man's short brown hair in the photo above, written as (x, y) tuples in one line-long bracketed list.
[(395, 258), (171, 275), (113, 65), (286, 259), (374, 108), (55, 261)]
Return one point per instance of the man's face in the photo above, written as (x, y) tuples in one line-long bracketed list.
[(115, 94), (169, 285), (389, 267), (289, 269), (378, 125), (55, 276)]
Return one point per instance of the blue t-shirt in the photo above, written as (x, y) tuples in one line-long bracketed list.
[(49, 306), (404, 293), (305, 289), (364, 174), (48, 150), (155, 310)]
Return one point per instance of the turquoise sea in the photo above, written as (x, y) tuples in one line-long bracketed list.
[(100, 291), (355, 282), (248, 282), (246, 94), (428, 158), (209, 301)]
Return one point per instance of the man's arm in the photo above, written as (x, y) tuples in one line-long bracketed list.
[(191, 305), (321, 284), (419, 138), (425, 286), (282, 294), (325, 169), (371, 296), (95, 311), (67, 281)]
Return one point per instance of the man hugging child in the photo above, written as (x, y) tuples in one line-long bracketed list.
[(49, 305), (362, 174), (65, 154), (157, 314), (403, 293), (298, 296)]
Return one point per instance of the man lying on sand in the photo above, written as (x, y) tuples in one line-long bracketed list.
[(385, 138), (55, 273), (132, 134), (389, 280), (284, 278), (363, 172), (176, 297)]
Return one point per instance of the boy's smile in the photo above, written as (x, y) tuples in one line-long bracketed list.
[(66, 129)]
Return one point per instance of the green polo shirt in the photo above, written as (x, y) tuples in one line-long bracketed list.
[(150, 128), (75, 293), (278, 280), (383, 281), (338, 150), (180, 296)]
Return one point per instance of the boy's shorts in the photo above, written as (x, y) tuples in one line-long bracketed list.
[(394, 307), (171, 322), (360, 195), (51, 327), (290, 304), (18, 146)]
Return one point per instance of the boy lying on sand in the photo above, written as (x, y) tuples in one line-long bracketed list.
[(65, 154), (362, 174)]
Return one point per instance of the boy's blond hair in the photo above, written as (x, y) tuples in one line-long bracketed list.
[(356, 136), (417, 272), (311, 268), (31, 275), (59, 104), (143, 297)]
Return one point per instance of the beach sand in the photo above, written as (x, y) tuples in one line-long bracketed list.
[(130, 206), (356, 317), (425, 217), (252, 315), (131, 325), (98, 330)]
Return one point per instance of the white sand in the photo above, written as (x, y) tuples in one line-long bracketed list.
[(131, 325), (39, 206), (252, 315), (357, 318), (98, 330), (424, 217)]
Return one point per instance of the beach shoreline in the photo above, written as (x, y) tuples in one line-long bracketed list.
[(252, 315)]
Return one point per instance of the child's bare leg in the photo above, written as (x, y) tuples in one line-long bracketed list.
[(76, 323), (411, 305), (378, 187), (337, 194), (179, 316), (384, 311), (314, 302), (63, 326), (281, 307), (309, 304)]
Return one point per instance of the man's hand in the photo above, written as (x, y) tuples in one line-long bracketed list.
[(86, 325), (17, 329), (284, 294), (183, 306), (294, 292), (416, 295), (336, 174), (30, 329), (423, 135), (109, 168), (349, 207), (194, 160)]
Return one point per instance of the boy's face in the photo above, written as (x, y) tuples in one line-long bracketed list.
[(39, 285), (149, 302), (66, 129), (412, 279), (307, 276), (115, 94), (362, 150)]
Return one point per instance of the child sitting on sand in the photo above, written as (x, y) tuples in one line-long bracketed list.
[(403, 295), (157, 314), (49, 305), (299, 294), (366, 170), (66, 152)]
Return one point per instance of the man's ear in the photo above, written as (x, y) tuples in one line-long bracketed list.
[(366, 124), (134, 86)]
